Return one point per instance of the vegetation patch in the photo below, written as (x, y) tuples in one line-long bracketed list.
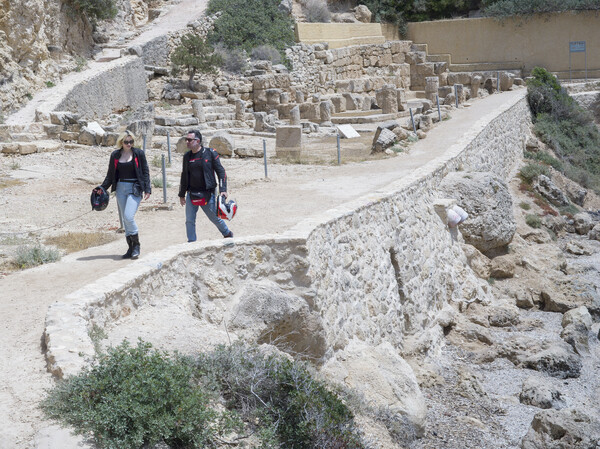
[(72, 242), (194, 55), (32, 256), (9, 182), (565, 127), (533, 220), (242, 28), (530, 172), (507, 8), (133, 397), (93, 10)]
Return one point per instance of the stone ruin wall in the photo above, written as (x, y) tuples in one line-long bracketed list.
[(382, 268), (385, 270)]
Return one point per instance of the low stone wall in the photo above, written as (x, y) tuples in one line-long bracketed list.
[(120, 84), (381, 268)]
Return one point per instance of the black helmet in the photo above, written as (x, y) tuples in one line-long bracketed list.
[(99, 198)]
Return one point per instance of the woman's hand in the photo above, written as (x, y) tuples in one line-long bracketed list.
[(146, 195)]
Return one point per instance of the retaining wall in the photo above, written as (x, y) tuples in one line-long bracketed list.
[(117, 85), (382, 267)]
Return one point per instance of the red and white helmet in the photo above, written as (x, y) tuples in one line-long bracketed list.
[(226, 209)]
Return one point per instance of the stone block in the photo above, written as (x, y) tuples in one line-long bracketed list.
[(288, 142)]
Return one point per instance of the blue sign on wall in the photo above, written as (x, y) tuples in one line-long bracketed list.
[(577, 46)]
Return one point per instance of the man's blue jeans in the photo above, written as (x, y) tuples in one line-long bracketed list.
[(211, 212), (128, 205)]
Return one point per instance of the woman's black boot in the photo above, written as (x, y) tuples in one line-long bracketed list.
[(127, 255), (135, 246)]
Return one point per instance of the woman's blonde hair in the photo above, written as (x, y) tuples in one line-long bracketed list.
[(122, 136)]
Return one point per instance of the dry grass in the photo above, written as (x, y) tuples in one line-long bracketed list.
[(8, 182), (78, 241)]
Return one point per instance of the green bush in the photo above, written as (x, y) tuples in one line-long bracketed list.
[(565, 127), (94, 10), (545, 158), (506, 8), (525, 206), (135, 396), (32, 256), (291, 408), (194, 55), (243, 28), (533, 220), (530, 172)]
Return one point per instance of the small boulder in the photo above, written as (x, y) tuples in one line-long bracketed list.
[(223, 143), (539, 393)]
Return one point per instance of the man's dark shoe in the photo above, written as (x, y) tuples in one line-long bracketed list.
[(228, 236)]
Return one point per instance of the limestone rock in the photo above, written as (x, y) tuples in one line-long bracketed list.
[(539, 393), (562, 429), (583, 223), (550, 191), (362, 14), (385, 140), (478, 262), (382, 376), (267, 314), (502, 267), (557, 360), (485, 197), (223, 143)]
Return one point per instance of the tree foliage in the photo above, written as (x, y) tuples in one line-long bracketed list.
[(194, 55), (243, 27), (506, 8), (95, 9)]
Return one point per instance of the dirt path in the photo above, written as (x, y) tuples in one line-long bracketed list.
[(292, 193)]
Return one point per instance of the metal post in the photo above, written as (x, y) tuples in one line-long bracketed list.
[(265, 156), (338, 150), (412, 119), (456, 96), (164, 179), (169, 146), (498, 82), (144, 142), (437, 100), (585, 53)]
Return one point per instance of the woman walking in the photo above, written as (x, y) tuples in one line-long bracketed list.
[(128, 174)]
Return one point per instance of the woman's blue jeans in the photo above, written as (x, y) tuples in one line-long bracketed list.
[(210, 209), (128, 205)]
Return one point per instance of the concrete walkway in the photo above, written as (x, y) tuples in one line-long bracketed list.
[(270, 208)]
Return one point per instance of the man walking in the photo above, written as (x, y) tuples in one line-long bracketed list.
[(198, 184)]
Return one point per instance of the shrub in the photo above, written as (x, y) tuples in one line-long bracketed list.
[(32, 256), (94, 10), (525, 206), (545, 158), (569, 210), (157, 182), (565, 127), (531, 171), (80, 63), (533, 220), (244, 28), (291, 408), (50, 84), (134, 396), (266, 53), (505, 8), (234, 61), (194, 55), (316, 11)]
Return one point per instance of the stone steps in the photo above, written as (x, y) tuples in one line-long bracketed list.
[(39, 146)]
